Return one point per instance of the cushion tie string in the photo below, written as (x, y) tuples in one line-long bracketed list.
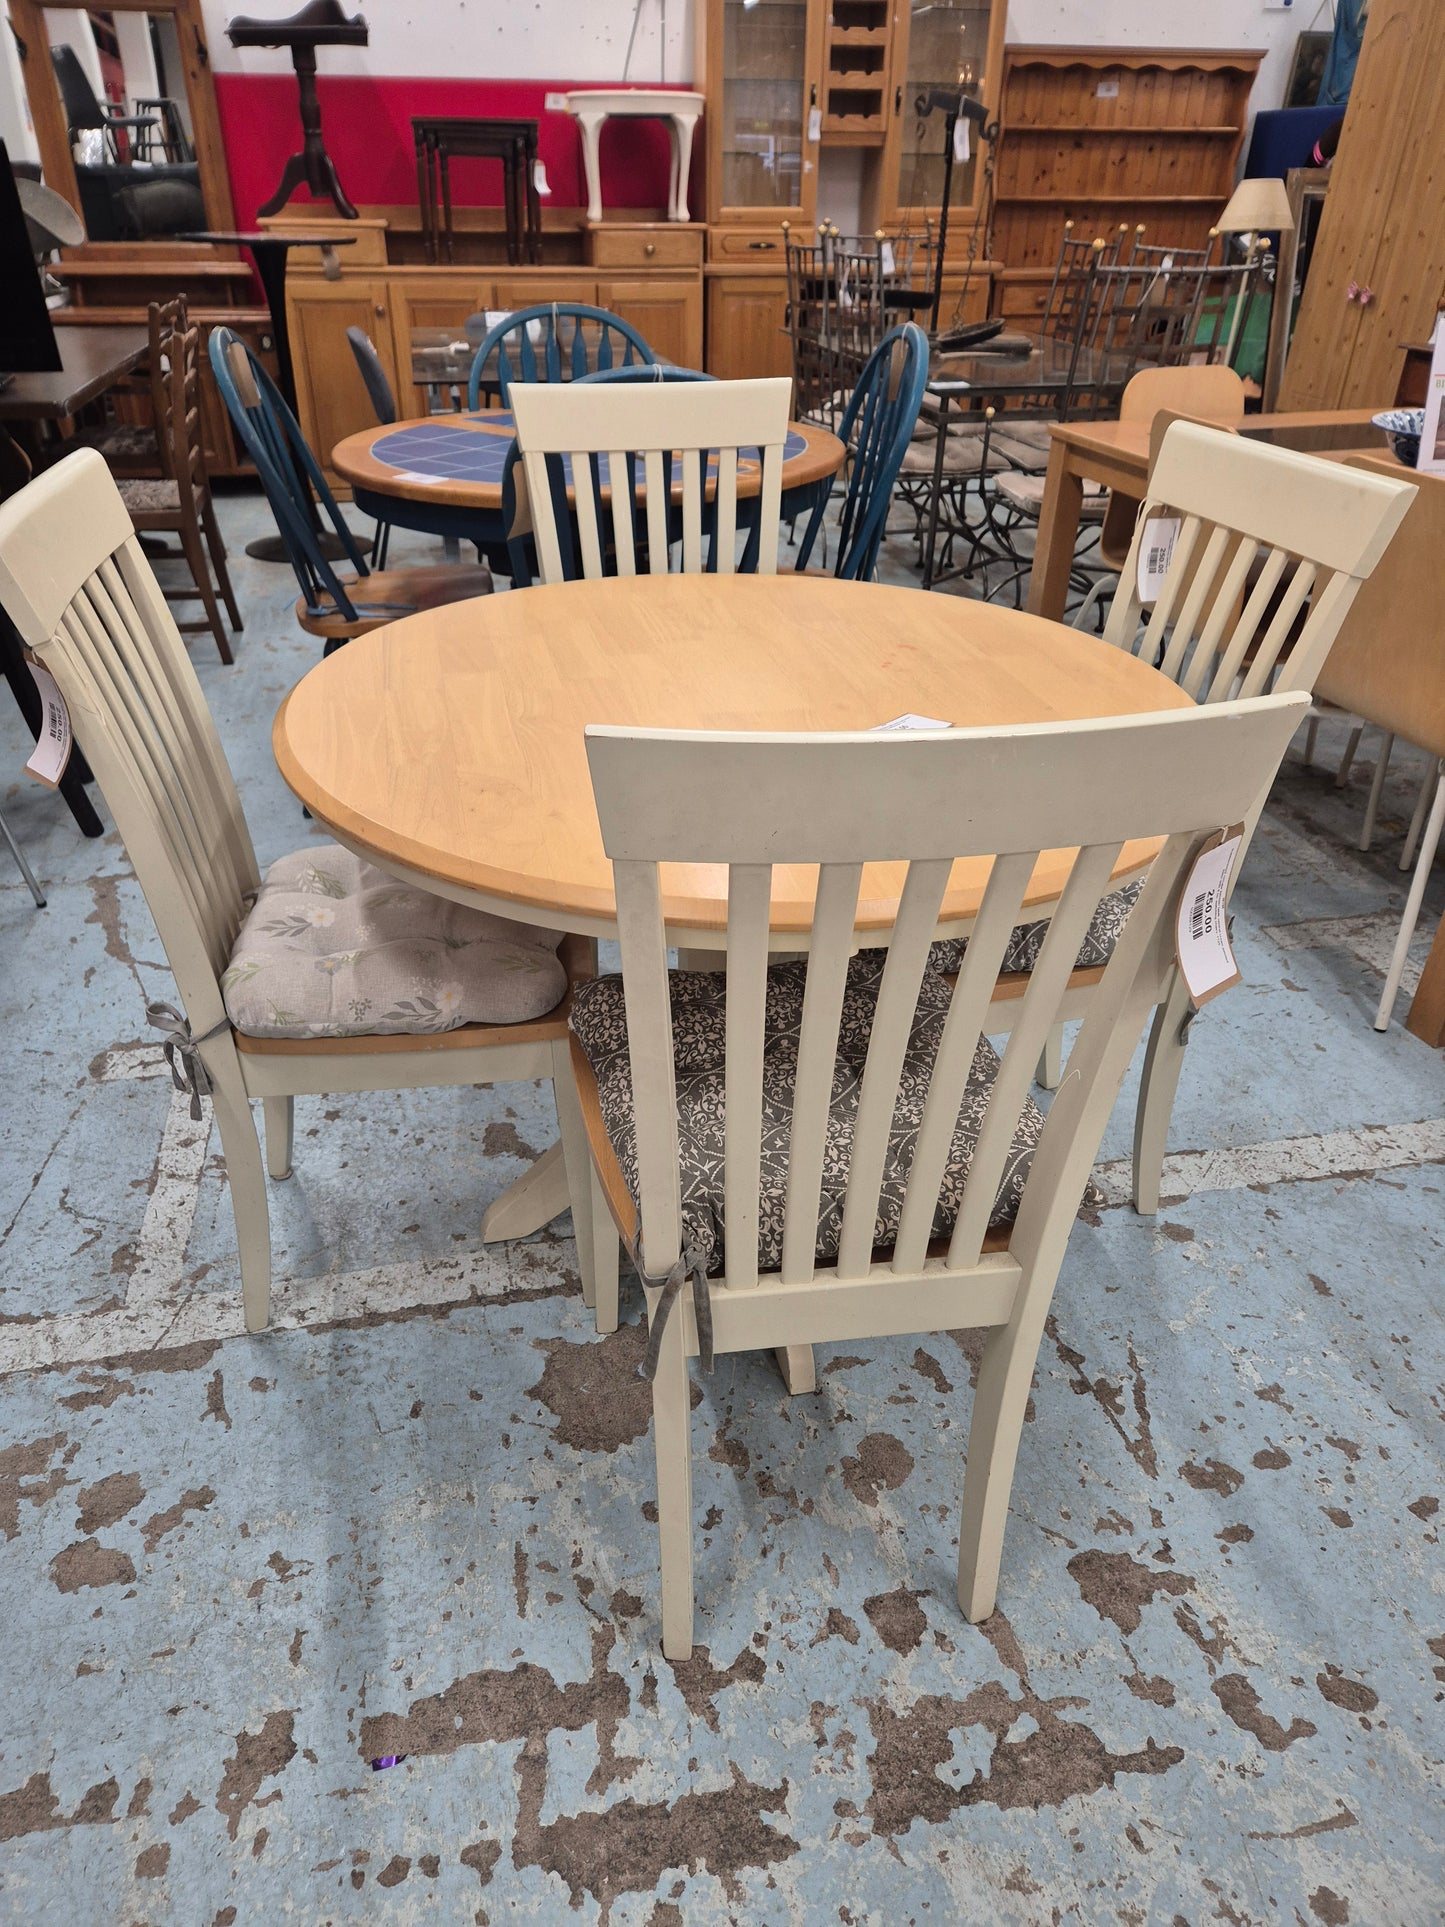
[(183, 1052), (693, 1262)]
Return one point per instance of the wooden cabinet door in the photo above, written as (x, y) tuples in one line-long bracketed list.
[(332, 397), (760, 63), (667, 314), (746, 335), (1383, 226), (444, 301)]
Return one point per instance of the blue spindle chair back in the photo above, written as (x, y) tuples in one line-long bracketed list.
[(877, 427), (378, 390), (290, 475), (566, 351), (519, 547)]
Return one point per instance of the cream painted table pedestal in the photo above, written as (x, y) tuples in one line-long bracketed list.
[(448, 747)]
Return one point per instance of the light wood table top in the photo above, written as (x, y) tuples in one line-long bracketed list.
[(423, 466), (448, 747)]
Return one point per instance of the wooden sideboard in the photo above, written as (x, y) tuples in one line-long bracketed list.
[(649, 272)]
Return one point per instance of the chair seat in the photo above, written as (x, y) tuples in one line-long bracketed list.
[(1027, 940), (159, 495), (386, 595), (125, 445), (962, 456), (334, 947), (699, 1006), (1026, 494)]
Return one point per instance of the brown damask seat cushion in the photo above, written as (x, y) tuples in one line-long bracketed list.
[(699, 1005)]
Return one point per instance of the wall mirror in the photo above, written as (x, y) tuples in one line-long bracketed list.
[(124, 106)]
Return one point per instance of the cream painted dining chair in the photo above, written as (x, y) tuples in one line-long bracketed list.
[(640, 426), (324, 976), (832, 1150), (1273, 547)]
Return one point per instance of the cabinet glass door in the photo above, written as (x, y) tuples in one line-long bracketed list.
[(947, 47), (764, 103)]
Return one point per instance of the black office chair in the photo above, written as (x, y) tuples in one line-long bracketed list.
[(378, 388)]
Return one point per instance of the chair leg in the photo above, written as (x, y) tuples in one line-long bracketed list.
[(578, 1161), (218, 557), (280, 1115), (999, 1404), (606, 1258), (1377, 784), (1051, 1060), (671, 1428), (379, 545), (1423, 862), (196, 561), (1347, 761), (1163, 1062), (1417, 821), (1312, 730), (247, 1180)]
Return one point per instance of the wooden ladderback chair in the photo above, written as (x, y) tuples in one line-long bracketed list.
[(554, 341), (77, 586), (132, 449), (876, 428), (706, 429), (929, 1195), (180, 504), (333, 605)]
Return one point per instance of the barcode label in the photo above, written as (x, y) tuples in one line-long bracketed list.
[(1156, 552), (1202, 944)]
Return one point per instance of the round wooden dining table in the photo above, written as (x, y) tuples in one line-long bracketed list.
[(448, 748), (442, 474)]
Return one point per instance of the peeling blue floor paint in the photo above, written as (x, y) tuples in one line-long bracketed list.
[(414, 1519)]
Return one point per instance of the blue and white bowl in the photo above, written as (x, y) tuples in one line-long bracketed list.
[(1404, 426)]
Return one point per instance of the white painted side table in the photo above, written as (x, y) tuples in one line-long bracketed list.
[(682, 111)]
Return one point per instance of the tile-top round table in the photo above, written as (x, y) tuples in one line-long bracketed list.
[(442, 474), (448, 747)]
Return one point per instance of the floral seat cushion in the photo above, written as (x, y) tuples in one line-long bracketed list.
[(1027, 939), (699, 1005), (334, 947)]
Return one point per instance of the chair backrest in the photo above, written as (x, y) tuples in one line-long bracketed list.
[(178, 422), (1265, 534), (76, 585), (378, 388), (1210, 393), (163, 319), (710, 427), (877, 428), (78, 97), (555, 341), (843, 801), (290, 473), (516, 515)]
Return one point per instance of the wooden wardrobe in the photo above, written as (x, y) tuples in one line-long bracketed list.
[(1382, 232)]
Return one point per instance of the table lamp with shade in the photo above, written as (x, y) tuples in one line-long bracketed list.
[(1256, 207)]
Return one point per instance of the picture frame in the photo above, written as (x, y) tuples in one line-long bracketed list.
[(1311, 50)]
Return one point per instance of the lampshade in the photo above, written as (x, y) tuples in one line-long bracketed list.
[(1257, 207)]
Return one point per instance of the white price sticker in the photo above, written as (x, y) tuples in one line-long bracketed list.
[(1156, 552), (910, 721), (52, 748), (539, 177), (1201, 935), (960, 140), (815, 124), (889, 265)]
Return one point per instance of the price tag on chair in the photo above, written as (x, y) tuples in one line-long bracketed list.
[(960, 141), (1201, 934), (1156, 552), (52, 748), (887, 261)]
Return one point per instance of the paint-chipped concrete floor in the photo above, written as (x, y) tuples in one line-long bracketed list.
[(415, 1518)]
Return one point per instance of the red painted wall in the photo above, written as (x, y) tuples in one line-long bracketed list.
[(367, 123)]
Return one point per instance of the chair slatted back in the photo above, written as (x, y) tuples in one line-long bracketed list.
[(554, 341), (709, 426), (76, 585), (1314, 529), (846, 800), (163, 319), (290, 473), (876, 429), (178, 418)]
